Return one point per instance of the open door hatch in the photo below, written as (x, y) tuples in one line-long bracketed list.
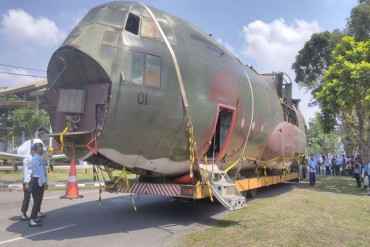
[(221, 133)]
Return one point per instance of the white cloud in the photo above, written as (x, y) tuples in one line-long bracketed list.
[(229, 47), (21, 29), (274, 46), (8, 80)]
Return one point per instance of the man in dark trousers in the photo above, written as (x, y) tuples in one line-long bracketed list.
[(38, 183), (357, 172), (27, 172), (312, 165)]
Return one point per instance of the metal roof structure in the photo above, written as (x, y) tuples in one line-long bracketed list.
[(24, 88)]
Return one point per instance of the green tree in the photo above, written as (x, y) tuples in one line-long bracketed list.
[(30, 119), (339, 80), (5, 121), (358, 25), (314, 58), (346, 88), (320, 141)]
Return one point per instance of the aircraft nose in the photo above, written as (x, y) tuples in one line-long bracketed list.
[(78, 95)]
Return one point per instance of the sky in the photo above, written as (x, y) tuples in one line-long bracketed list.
[(265, 34)]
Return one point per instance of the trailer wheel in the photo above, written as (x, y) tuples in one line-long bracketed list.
[(252, 193)]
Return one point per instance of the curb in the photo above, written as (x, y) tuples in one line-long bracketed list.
[(19, 187)]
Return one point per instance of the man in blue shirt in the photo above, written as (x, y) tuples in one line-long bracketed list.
[(367, 173), (327, 166), (312, 165), (27, 172), (338, 162), (38, 183)]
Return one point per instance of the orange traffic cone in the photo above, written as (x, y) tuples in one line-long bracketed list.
[(72, 186)]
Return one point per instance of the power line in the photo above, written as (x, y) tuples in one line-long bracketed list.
[(10, 73), (18, 67)]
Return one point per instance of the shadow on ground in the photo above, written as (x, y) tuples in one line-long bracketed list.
[(335, 184)]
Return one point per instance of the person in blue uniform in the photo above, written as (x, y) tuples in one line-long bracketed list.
[(38, 183), (27, 172), (312, 165)]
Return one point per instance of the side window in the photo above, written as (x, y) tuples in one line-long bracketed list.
[(153, 71), (137, 76), (132, 24), (146, 69)]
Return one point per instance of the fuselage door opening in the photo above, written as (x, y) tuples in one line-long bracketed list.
[(221, 133)]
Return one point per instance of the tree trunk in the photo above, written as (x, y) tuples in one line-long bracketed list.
[(363, 138), (367, 136)]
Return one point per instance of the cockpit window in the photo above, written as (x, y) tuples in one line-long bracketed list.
[(136, 10), (112, 17), (149, 29), (90, 18), (169, 34), (105, 16), (132, 24), (146, 14)]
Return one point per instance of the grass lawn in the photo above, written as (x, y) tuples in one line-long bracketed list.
[(61, 175), (332, 213)]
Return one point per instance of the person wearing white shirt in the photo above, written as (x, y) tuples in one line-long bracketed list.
[(27, 172)]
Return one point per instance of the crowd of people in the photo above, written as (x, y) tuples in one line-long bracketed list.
[(339, 166), (34, 183)]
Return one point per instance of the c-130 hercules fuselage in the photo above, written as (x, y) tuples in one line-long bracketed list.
[(115, 79)]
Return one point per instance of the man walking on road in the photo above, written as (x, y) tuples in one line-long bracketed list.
[(38, 183), (312, 164), (27, 172)]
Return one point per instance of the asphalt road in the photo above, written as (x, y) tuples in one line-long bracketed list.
[(158, 221)]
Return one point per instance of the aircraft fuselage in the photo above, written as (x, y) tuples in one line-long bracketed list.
[(114, 78)]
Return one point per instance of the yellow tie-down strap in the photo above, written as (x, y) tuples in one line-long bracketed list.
[(245, 158)]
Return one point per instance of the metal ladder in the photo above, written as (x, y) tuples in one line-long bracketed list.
[(223, 188)]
